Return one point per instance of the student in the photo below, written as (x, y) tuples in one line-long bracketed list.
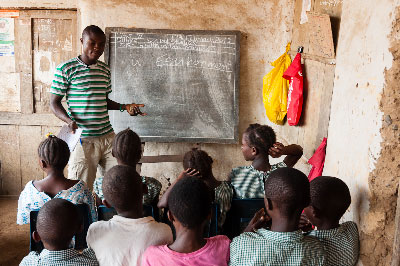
[(86, 83), (53, 157), (259, 142), (57, 222), (189, 205), (127, 149), (199, 162), (330, 198), (287, 193), (123, 239)]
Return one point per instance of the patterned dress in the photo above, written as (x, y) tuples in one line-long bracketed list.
[(265, 247), (341, 244), (223, 196), (31, 199), (67, 257), (248, 182), (153, 187)]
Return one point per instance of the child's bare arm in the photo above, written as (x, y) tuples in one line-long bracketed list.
[(163, 203), (58, 109), (293, 153)]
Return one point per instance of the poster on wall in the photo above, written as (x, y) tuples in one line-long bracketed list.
[(6, 36)]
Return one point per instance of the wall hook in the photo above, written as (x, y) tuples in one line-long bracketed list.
[(300, 49)]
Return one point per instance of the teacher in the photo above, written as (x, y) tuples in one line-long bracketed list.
[(86, 83)]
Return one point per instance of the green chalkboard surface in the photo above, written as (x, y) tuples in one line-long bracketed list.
[(188, 80)]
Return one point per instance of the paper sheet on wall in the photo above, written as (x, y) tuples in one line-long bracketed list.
[(70, 138), (306, 6), (6, 36)]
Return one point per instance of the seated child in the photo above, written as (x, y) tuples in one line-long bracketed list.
[(53, 157), (200, 162), (123, 239), (287, 193), (127, 149), (57, 222), (330, 198), (189, 205), (258, 142)]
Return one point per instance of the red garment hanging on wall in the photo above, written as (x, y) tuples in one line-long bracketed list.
[(295, 96), (317, 161)]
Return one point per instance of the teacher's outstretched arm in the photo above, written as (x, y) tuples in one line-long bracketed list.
[(133, 109)]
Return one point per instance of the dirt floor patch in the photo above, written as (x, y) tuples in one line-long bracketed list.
[(14, 239)]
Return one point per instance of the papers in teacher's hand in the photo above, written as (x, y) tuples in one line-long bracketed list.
[(70, 138)]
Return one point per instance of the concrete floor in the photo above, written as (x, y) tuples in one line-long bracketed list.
[(14, 239)]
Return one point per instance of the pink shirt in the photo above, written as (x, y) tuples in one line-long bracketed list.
[(215, 252)]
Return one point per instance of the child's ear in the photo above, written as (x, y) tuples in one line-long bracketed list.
[(81, 40), (170, 216), (254, 151), (36, 236), (105, 203), (268, 203), (42, 164)]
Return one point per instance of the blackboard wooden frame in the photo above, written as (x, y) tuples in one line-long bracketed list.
[(235, 138)]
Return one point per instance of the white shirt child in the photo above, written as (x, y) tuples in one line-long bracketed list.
[(122, 241)]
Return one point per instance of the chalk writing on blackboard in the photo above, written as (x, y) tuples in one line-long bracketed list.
[(331, 3), (188, 80)]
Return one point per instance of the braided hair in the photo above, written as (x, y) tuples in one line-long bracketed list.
[(262, 137), (199, 160), (54, 152), (127, 147)]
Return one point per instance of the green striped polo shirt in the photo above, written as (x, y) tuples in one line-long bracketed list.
[(86, 88)]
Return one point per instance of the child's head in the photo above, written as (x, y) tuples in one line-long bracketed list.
[(189, 203), (57, 222), (257, 140), (199, 160), (123, 189), (127, 147), (288, 191), (53, 153), (93, 41), (330, 198)]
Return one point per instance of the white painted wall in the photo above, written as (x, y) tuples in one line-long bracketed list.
[(354, 137)]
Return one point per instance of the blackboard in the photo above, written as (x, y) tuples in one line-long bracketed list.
[(188, 80)]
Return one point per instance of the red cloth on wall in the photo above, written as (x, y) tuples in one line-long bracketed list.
[(317, 161), (295, 95)]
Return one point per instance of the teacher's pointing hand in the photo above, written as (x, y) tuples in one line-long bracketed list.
[(134, 109)]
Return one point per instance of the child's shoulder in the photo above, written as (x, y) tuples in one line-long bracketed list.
[(219, 239), (158, 226), (347, 228), (241, 170), (349, 225)]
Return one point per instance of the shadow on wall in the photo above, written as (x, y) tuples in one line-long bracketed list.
[(359, 199)]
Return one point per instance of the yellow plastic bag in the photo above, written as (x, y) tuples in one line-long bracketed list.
[(275, 89)]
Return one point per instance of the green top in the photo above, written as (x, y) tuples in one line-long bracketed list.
[(341, 244), (266, 247), (86, 88), (248, 182)]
